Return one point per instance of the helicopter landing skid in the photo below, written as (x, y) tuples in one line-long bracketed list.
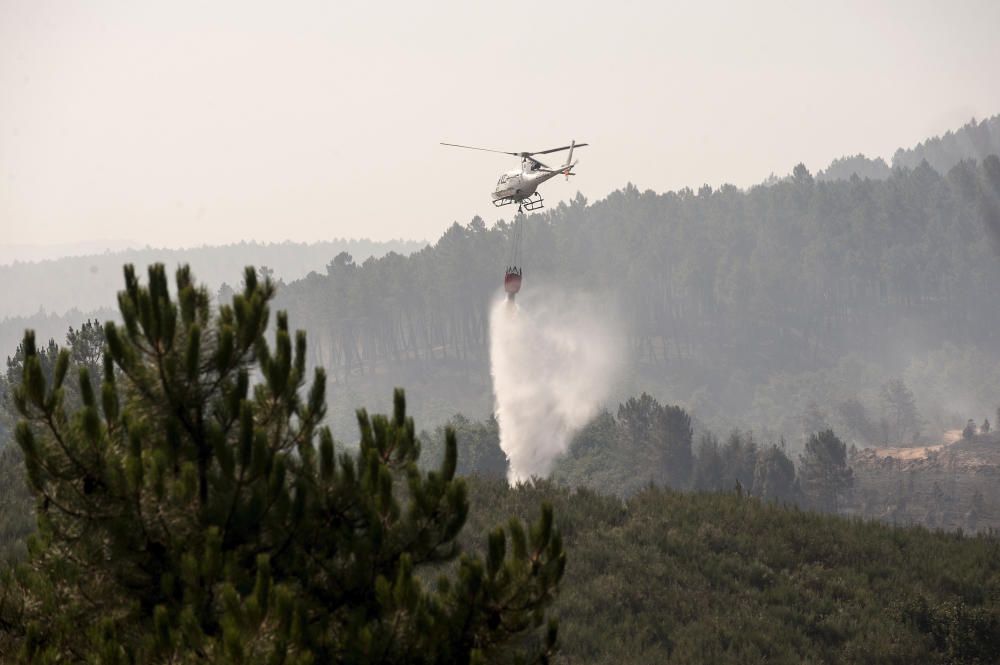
[(533, 202)]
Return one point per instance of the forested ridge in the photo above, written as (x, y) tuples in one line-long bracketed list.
[(742, 305), (975, 140), (722, 578), (808, 270)]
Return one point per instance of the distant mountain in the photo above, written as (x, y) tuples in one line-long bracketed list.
[(27, 253), (91, 282)]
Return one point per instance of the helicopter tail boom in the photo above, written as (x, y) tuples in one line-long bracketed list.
[(565, 170)]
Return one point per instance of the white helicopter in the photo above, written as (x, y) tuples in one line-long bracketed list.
[(521, 186)]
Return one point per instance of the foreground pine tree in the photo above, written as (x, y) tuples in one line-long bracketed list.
[(193, 509)]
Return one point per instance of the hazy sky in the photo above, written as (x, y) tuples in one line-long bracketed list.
[(180, 123)]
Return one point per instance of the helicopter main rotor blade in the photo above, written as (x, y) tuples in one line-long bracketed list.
[(472, 147), (565, 147)]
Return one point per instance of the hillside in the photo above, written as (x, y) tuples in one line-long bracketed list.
[(720, 578), (710, 578), (949, 486), (743, 306)]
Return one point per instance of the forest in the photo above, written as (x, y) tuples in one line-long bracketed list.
[(310, 556), (745, 307), (974, 140), (723, 578), (195, 476)]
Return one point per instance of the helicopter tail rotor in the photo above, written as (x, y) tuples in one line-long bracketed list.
[(569, 159)]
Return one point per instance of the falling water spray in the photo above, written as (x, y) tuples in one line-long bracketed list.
[(554, 357)]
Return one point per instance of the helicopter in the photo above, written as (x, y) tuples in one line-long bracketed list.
[(521, 186)]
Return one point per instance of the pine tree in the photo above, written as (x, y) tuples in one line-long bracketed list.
[(823, 470), (901, 409), (194, 509), (709, 470), (661, 436), (774, 476), (739, 458), (86, 345)]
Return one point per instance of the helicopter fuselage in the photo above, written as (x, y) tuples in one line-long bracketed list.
[(521, 184)]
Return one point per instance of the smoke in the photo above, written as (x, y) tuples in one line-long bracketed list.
[(554, 357)]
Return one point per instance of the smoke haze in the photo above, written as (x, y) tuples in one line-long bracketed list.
[(554, 358)]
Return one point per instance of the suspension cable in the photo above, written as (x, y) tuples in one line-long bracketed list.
[(515, 244)]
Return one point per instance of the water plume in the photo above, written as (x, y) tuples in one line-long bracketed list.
[(554, 357)]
